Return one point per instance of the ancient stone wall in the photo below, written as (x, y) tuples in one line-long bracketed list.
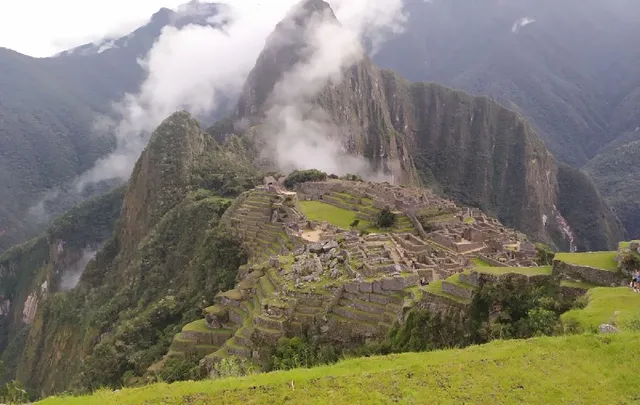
[(492, 262), (589, 274)]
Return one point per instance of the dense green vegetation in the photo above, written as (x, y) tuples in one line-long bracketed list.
[(537, 371), (591, 220), (87, 225), (511, 308), (165, 262)]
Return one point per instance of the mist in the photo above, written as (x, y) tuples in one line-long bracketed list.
[(302, 135), (195, 68), (71, 276)]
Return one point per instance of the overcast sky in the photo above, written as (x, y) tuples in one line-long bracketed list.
[(45, 27)]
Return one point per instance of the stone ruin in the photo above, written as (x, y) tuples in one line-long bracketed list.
[(343, 285)]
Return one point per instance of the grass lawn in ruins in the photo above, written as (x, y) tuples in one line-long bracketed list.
[(480, 263), (527, 271), (599, 260), (603, 303), (579, 369), (320, 211)]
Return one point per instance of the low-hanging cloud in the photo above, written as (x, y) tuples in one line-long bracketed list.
[(193, 68), (303, 135), (71, 276), (196, 67)]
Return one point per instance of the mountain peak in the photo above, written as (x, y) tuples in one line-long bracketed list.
[(285, 47)]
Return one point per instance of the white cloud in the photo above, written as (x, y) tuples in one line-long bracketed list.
[(44, 28), (304, 137), (187, 69), (521, 23)]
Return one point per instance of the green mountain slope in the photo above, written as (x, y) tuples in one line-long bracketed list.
[(570, 70), (536, 371), (166, 258)]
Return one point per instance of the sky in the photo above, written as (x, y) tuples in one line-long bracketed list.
[(43, 28)]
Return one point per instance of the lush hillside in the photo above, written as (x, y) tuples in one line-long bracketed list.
[(536, 371), (570, 71), (205, 271), (55, 259), (166, 258)]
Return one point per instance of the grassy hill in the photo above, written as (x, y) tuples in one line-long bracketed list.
[(536, 371)]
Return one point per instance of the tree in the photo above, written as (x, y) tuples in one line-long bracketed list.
[(386, 219), (354, 224)]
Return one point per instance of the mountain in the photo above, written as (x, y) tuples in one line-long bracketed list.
[(616, 172), (166, 254), (569, 69), (48, 108), (476, 150), (172, 245)]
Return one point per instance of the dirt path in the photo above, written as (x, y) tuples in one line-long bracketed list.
[(311, 236)]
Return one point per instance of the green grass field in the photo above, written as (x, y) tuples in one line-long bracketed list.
[(603, 303), (527, 271), (581, 369), (599, 260), (319, 211)]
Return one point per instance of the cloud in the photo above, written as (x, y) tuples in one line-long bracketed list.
[(521, 23), (303, 135), (193, 69), (196, 67), (71, 276)]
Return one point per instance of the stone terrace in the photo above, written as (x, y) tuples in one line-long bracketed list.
[(346, 286)]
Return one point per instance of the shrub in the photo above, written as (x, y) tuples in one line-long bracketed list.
[(352, 177), (233, 367), (545, 255), (304, 176), (300, 353), (178, 369)]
